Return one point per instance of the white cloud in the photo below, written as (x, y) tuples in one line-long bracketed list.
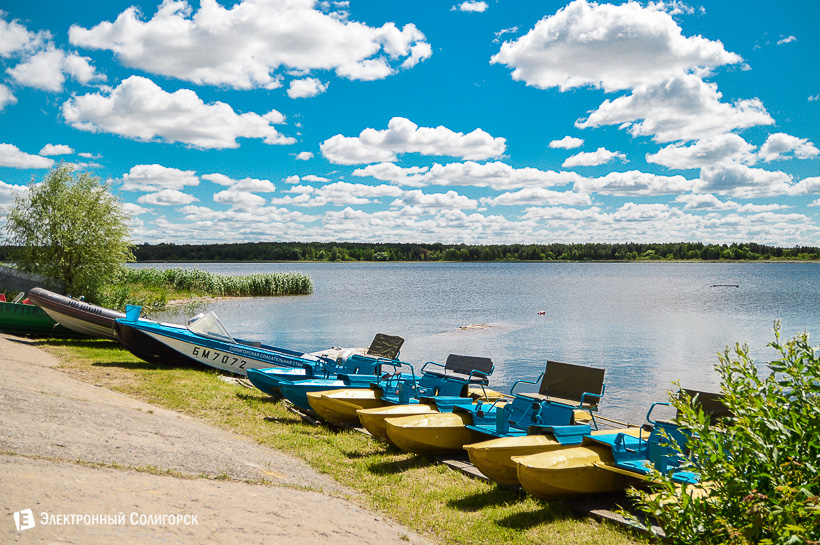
[(6, 97), (15, 38), (601, 156), (56, 149), (134, 209), (9, 192), (336, 194), (246, 184), (245, 45), (294, 179), (237, 197), (406, 225), (419, 52), (706, 201), (404, 136), (502, 32), (46, 70), (538, 196), (758, 208), (707, 152), (141, 110), (684, 108), (304, 155), (645, 212), (11, 156), (742, 181), (305, 88), (241, 219), (806, 186), (315, 179), (157, 178), (573, 215), (449, 201), (471, 6), (167, 197), (786, 40), (779, 145), (80, 69), (43, 70), (567, 142), (496, 175), (635, 183), (614, 47)]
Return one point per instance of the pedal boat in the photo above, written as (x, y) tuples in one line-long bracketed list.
[(565, 418), (494, 458), (383, 350), (460, 380), (331, 405), (571, 471), (612, 462), (374, 419), (436, 433)]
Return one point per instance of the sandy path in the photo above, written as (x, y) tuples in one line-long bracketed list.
[(64, 445)]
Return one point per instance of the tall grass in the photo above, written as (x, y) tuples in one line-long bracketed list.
[(154, 288), (203, 282)]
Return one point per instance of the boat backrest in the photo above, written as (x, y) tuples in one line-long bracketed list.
[(385, 346), (710, 402), (467, 364), (570, 382), (357, 364), (464, 369)]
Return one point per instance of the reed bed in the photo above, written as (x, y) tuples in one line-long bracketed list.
[(153, 289), (198, 281)]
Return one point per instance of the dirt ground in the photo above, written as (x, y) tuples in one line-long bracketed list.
[(69, 452)]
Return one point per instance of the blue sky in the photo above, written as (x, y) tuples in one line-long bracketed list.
[(479, 122)]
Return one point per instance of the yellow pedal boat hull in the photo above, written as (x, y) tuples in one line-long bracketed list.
[(432, 433), (494, 458), (569, 472), (374, 420), (340, 406)]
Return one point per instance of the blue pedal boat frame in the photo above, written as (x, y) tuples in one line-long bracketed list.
[(383, 348), (446, 386), (564, 388), (296, 391), (640, 455)]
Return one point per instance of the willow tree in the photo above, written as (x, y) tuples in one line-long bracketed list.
[(71, 229)]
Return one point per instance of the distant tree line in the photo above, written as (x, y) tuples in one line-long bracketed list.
[(355, 251)]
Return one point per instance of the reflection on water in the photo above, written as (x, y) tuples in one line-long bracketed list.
[(648, 324)]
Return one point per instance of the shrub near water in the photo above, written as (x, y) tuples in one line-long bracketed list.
[(762, 464)]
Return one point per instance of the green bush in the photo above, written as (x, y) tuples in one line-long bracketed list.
[(760, 466)]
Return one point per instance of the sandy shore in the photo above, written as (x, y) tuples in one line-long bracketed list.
[(97, 467)]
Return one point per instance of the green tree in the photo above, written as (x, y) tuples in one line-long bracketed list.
[(72, 229), (761, 465)]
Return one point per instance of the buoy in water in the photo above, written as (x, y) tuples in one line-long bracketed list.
[(542, 312)]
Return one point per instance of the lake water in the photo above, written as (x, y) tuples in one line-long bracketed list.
[(647, 324)]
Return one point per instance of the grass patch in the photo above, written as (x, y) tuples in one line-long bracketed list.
[(433, 500)]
